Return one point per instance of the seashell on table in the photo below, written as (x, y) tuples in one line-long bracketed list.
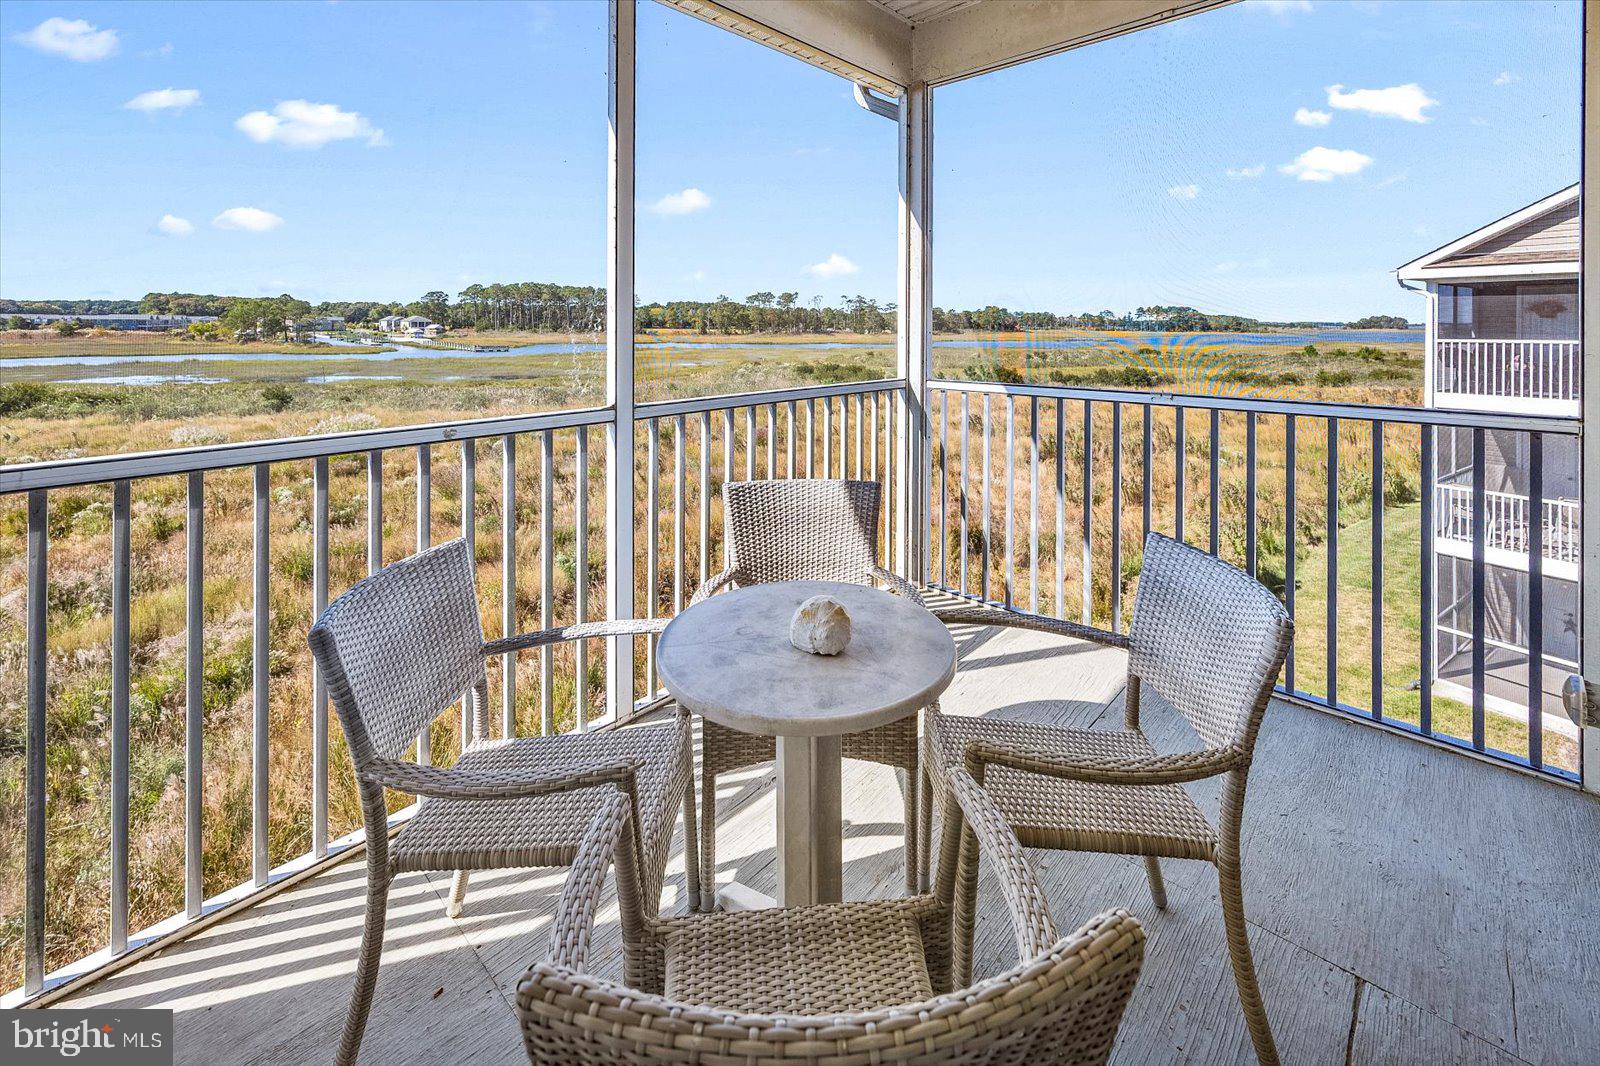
[(820, 626)]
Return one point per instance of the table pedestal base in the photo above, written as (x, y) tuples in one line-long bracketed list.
[(810, 834), (810, 837)]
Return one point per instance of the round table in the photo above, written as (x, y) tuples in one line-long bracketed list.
[(728, 659)]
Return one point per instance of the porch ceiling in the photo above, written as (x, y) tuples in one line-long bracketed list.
[(891, 44)]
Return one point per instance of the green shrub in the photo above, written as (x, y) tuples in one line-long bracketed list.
[(276, 398)]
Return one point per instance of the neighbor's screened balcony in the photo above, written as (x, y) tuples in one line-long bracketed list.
[(1509, 342), (1028, 496)]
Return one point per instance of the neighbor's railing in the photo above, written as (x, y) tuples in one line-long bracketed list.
[(536, 474), (1508, 528), (1273, 486), (1521, 369)]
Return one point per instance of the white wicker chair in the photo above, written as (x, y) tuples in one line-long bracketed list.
[(1210, 640), (402, 646), (849, 984), (804, 530)]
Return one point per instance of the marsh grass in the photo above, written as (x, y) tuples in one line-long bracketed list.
[(48, 421)]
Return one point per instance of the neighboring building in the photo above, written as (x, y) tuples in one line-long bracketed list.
[(1503, 335), (136, 321), (322, 324), (411, 325)]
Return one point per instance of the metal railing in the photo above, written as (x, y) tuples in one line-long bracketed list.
[(1521, 369), (1508, 528), (352, 502), (1274, 486), (1253, 478)]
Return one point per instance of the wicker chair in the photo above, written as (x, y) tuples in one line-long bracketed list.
[(865, 982), (1208, 638), (803, 530), (397, 650)]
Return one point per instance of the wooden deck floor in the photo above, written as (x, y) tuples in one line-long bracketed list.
[(1408, 905)]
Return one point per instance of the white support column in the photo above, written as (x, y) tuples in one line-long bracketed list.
[(1590, 304), (619, 357), (915, 329)]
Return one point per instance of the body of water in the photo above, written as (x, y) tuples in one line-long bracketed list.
[(397, 351)]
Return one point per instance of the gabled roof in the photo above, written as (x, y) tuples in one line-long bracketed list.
[(1502, 248)]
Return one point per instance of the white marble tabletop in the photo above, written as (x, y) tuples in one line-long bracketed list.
[(729, 659)]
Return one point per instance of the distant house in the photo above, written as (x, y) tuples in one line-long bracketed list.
[(1503, 335), (134, 321), (410, 325), (325, 323)]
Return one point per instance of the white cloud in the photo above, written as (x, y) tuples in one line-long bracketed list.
[(251, 219), (1184, 192), (1227, 266), (1247, 172), (1325, 164), (686, 202), (173, 226), (1505, 77), (1281, 7), (302, 124), (1408, 102), (71, 39), (834, 266), (1304, 116), (164, 100)]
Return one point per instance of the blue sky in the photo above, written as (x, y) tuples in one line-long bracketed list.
[(384, 149)]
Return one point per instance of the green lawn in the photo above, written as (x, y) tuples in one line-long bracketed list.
[(1402, 629)]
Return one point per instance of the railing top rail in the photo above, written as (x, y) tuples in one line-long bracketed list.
[(1424, 416), (695, 405), (1572, 342), (63, 473)]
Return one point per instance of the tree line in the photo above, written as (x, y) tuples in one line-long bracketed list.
[(554, 308)]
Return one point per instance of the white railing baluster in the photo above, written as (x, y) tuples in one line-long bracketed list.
[(1033, 504), (859, 401), (374, 511), (827, 437), (652, 544), (508, 583), (469, 533), (789, 456), (580, 649), (194, 648), (1061, 508), (750, 443), (424, 520), (260, 678), (1011, 511), (38, 688), (1087, 575), (772, 441), (547, 567), (705, 495), (986, 474), (319, 684), (966, 482), (121, 593), (679, 428), (1116, 517)]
